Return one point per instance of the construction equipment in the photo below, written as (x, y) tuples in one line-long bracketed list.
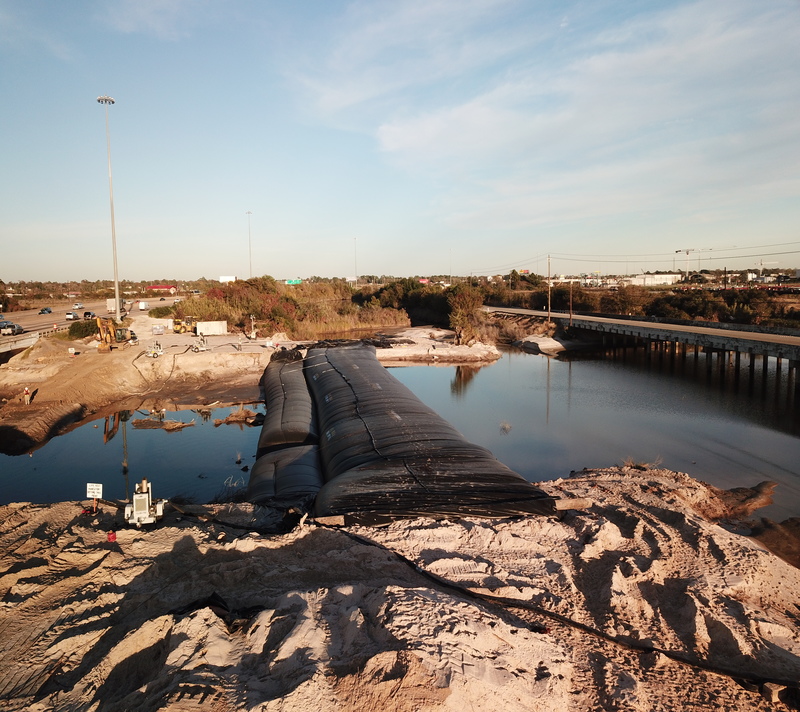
[(184, 324), (155, 350), (111, 335), (201, 345), (144, 509)]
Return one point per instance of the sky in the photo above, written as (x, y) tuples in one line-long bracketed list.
[(397, 137)]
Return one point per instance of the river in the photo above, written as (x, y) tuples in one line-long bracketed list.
[(542, 417)]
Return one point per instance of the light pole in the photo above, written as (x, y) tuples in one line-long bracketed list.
[(249, 243), (106, 101), (549, 287)]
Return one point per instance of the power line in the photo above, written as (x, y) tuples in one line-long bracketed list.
[(719, 253)]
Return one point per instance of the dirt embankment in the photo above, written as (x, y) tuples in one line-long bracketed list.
[(68, 387)]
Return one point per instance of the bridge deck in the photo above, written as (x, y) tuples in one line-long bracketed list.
[(721, 338)]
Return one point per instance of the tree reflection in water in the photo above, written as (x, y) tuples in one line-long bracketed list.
[(463, 376)]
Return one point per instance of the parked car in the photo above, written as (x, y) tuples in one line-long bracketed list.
[(45, 310), (72, 316), (11, 329), (89, 315), (77, 305)]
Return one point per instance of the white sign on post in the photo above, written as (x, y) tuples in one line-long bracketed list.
[(94, 490)]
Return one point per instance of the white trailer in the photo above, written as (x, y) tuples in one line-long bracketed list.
[(111, 308)]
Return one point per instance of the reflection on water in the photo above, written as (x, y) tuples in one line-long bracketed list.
[(463, 375), (544, 418), (196, 462), (112, 423)]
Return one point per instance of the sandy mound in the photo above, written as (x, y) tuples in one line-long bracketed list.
[(617, 607)]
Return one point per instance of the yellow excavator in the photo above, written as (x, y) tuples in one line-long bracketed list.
[(187, 323), (111, 335)]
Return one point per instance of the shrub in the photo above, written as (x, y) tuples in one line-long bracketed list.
[(161, 312), (464, 301), (82, 329)]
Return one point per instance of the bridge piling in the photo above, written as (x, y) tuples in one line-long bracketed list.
[(661, 339)]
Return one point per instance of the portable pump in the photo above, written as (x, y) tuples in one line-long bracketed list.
[(143, 510)]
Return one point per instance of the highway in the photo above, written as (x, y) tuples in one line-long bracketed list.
[(31, 320)]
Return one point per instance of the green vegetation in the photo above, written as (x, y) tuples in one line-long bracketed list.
[(738, 306), (465, 302), (319, 307), (751, 306), (82, 329), (302, 311), (161, 312)]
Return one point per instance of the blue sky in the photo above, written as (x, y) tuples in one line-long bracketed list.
[(401, 137)]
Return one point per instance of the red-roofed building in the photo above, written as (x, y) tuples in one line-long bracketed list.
[(171, 288)]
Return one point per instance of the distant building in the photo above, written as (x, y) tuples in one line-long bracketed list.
[(651, 280), (227, 279), (162, 288)]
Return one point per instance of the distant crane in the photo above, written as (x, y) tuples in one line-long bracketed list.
[(761, 264), (689, 250)]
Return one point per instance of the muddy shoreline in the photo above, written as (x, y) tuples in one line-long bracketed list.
[(70, 387)]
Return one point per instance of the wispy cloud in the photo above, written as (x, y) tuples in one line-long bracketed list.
[(701, 78), (379, 50), (164, 19), (565, 119)]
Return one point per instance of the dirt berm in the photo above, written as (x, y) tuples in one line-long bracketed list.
[(71, 382), (69, 388)]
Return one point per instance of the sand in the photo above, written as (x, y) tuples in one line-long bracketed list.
[(639, 602), (648, 598)]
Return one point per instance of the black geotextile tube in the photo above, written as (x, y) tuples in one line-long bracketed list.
[(289, 419), (384, 451), (287, 469), (285, 477)]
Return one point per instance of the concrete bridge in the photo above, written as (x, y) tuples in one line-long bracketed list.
[(18, 343), (728, 343)]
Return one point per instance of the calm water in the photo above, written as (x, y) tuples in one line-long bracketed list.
[(544, 418), (541, 417), (196, 462)]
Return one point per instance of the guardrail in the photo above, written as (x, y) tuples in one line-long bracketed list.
[(54, 330)]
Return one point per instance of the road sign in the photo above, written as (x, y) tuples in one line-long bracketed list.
[(94, 490), (294, 281)]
